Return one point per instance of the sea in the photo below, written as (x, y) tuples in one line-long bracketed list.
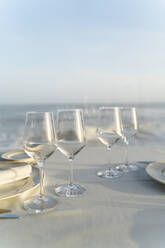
[(151, 118)]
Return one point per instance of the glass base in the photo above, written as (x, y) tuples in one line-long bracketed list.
[(70, 190), (110, 173), (127, 168), (39, 205)]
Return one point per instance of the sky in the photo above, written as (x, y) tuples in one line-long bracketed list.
[(82, 51)]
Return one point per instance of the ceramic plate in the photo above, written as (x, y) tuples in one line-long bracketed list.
[(17, 188), (17, 155), (157, 171)]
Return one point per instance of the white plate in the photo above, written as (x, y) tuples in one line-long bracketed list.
[(157, 171), (24, 186), (17, 155)]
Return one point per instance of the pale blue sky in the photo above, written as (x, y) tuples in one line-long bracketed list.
[(82, 51)]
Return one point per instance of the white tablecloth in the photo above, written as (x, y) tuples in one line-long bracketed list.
[(127, 212)]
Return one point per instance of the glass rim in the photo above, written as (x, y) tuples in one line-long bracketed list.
[(39, 112), (127, 108), (70, 109), (102, 107)]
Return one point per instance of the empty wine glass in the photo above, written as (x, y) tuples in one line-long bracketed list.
[(39, 143), (107, 134), (70, 140), (127, 128)]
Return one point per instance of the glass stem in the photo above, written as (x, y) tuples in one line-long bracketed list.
[(126, 156), (41, 167), (71, 171), (109, 157)]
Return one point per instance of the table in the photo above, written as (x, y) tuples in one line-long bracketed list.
[(127, 212)]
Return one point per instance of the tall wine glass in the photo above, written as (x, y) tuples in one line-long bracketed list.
[(107, 134), (39, 143), (127, 128), (70, 140)]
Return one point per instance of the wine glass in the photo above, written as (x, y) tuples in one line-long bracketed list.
[(70, 140), (127, 129), (39, 143), (107, 134)]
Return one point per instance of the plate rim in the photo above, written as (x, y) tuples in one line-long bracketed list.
[(158, 164), (19, 151)]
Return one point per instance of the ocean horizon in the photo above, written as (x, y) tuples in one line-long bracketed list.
[(151, 117)]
